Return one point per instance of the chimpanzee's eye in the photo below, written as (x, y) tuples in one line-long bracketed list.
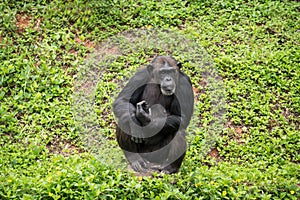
[(165, 72), (162, 74)]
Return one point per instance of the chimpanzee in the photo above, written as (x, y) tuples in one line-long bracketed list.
[(153, 111)]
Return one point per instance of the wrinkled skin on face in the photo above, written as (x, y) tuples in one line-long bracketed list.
[(165, 73)]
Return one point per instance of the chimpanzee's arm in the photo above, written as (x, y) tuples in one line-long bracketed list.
[(185, 97), (124, 105)]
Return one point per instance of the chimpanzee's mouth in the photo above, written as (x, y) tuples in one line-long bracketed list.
[(167, 91)]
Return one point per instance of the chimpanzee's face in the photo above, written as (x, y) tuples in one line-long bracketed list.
[(165, 72), (167, 77)]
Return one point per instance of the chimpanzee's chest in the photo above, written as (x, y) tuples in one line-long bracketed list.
[(152, 95)]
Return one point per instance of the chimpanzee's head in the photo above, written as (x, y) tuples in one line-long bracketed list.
[(165, 72)]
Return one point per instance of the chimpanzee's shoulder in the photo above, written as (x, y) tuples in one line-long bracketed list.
[(184, 79)]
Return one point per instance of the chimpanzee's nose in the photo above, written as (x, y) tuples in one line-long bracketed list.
[(168, 79)]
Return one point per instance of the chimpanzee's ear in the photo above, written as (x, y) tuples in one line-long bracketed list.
[(179, 65), (150, 68)]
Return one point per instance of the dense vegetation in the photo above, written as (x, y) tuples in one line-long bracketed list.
[(254, 54)]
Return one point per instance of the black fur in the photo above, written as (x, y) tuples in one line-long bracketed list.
[(145, 148)]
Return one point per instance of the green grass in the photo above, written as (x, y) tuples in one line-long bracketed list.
[(251, 151)]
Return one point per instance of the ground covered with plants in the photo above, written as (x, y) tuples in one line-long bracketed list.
[(62, 63)]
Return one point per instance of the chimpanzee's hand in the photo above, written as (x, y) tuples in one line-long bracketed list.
[(140, 165), (143, 113), (137, 140)]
